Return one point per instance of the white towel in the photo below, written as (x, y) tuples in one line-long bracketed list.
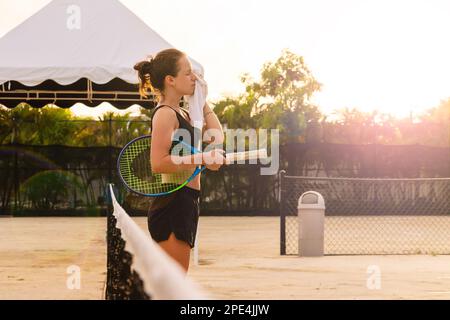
[(197, 101)]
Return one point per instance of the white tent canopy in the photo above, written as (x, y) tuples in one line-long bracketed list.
[(72, 39)]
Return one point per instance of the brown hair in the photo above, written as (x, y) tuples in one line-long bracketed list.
[(152, 72)]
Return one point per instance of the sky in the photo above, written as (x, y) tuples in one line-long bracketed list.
[(392, 56)]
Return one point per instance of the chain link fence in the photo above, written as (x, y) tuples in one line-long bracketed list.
[(69, 177), (372, 216)]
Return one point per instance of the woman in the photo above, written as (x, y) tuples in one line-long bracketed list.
[(173, 218)]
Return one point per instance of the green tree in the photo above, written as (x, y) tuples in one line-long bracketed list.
[(14, 124), (48, 188), (279, 100), (439, 114), (27, 125)]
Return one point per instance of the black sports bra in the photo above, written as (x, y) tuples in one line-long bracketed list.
[(182, 123)]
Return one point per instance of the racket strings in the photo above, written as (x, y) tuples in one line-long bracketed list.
[(136, 172)]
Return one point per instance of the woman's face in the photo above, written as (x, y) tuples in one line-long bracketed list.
[(184, 82)]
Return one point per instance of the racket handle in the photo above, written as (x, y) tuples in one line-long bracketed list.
[(208, 157)]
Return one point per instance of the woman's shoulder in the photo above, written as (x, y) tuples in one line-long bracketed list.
[(165, 114), (164, 109)]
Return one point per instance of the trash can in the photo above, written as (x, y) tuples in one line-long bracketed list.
[(311, 219)]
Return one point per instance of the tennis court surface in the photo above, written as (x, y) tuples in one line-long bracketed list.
[(239, 258)]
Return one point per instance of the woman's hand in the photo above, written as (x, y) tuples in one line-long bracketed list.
[(213, 159)]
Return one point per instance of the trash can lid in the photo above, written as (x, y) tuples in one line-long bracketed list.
[(311, 200)]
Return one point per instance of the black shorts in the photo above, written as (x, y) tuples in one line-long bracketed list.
[(176, 212)]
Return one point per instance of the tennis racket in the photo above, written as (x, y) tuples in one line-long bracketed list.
[(134, 167)]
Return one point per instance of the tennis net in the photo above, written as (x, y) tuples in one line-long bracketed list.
[(137, 268)]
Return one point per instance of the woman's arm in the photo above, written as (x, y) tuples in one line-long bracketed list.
[(212, 122), (164, 123)]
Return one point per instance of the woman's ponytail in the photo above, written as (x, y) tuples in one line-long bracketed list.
[(144, 69)]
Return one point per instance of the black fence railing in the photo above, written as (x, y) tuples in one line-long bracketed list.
[(71, 177)]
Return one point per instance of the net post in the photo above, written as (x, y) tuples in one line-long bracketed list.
[(109, 222), (196, 235), (110, 151), (196, 249), (282, 211)]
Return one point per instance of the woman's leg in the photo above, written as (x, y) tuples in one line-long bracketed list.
[(178, 250)]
